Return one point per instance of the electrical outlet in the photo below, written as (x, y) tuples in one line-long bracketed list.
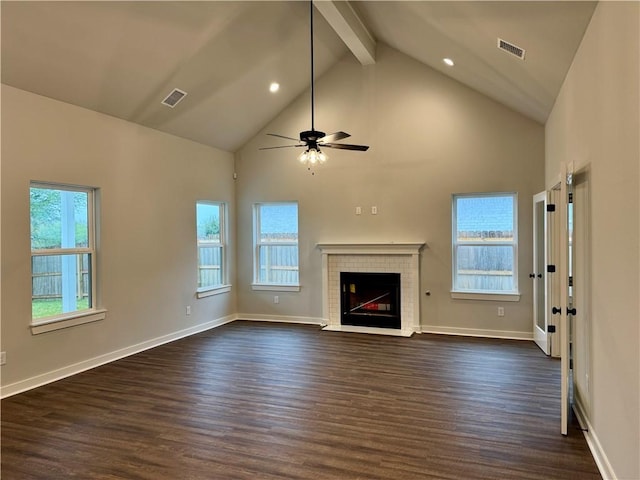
[(3, 358), (188, 310), (501, 311), (276, 299), (358, 210), (374, 210)]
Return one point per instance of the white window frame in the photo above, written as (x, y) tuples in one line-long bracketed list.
[(257, 243), (77, 317), (507, 296), (224, 286)]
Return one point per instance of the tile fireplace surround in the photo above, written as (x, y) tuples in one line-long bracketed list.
[(402, 258)]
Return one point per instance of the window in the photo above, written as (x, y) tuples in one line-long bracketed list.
[(485, 244), (211, 238), (63, 256), (276, 245)]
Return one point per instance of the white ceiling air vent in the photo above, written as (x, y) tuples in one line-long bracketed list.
[(511, 48), (174, 97)]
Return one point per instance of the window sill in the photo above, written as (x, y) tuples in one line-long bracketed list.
[(210, 291), (275, 288), (498, 297), (67, 320)]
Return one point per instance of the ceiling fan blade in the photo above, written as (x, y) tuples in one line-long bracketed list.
[(345, 146), (282, 146), (332, 137), (282, 136)]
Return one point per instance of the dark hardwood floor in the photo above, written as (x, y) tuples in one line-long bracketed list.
[(276, 401)]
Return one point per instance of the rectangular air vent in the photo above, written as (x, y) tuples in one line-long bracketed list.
[(174, 97), (511, 48)]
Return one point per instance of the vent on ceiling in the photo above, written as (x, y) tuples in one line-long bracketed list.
[(511, 48), (174, 97)]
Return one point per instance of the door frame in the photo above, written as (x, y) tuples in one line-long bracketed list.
[(581, 349), (553, 258)]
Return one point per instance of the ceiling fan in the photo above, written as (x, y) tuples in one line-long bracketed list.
[(314, 139)]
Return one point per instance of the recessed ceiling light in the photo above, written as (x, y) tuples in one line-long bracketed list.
[(448, 61), (274, 87)]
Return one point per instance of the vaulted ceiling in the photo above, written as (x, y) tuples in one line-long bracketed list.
[(124, 58)]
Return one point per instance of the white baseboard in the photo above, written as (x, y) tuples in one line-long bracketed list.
[(473, 332), (280, 319), (59, 374), (602, 462)]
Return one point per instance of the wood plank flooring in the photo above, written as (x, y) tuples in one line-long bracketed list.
[(274, 401)]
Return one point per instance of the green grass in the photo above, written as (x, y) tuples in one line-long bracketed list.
[(48, 307)]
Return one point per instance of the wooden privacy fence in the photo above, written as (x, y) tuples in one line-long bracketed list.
[(485, 268), (482, 280), (209, 264), (46, 276), (279, 264)]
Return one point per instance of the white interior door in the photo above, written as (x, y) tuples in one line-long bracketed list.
[(539, 273), (566, 212)]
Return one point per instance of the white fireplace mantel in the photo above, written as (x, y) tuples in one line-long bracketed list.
[(393, 248), (393, 257)]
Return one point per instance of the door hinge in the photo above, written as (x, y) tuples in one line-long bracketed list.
[(551, 329), (570, 197), (571, 281), (551, 207), (551, 268)]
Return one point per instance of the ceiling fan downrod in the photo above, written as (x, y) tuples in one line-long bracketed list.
[(312, 140), (312, 68)]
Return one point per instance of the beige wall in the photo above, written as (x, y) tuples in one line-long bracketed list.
[(149, 183), (595, 125), (430, 137)]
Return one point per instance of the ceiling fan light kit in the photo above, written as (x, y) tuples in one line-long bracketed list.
[(312, 157), (314, 139)]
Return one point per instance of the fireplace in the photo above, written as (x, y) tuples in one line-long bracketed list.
[(370, 299), (400, 259)]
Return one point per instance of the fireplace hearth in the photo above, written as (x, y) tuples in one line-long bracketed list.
[(370, 299)]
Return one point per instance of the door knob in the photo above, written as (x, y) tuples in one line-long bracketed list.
[(556, 310), (532, 275), (571, 311)]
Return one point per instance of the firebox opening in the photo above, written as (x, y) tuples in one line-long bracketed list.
[(370, 299)]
